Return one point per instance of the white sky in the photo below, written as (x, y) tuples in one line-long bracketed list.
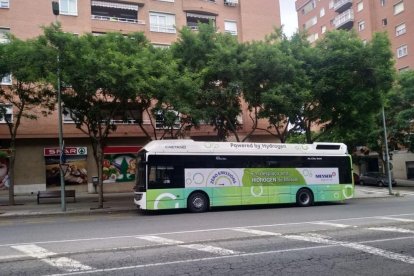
[(288, 16)]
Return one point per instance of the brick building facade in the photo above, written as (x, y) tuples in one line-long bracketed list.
[(159, 20)]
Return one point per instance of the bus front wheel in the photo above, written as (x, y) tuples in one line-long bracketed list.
[(304, 198), (197, 203)]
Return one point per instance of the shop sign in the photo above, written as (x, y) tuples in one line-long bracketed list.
[(68, 151)]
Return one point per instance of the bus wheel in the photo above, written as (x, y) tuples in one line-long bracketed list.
[(197, 203), (304, 198)]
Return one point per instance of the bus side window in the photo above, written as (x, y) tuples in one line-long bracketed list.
[(160, 177)]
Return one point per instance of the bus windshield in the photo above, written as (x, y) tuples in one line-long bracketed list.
[(140, 179)]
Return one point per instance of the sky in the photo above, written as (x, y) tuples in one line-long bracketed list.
[(288, 16)]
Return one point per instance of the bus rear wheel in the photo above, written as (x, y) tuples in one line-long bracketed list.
[(304, 198), (197, 203)]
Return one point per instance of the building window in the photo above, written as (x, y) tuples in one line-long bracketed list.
[(162, 22), (360, 6), (313, 37), (402, 51), (230, 2), (404, 69), (310, 22), (383, 2), (400, 29), (172, 1), (230, 27), (167, 119), (6, 113), (3, 35), (4, 4), (161, 45), (68, 7), (331, 4), (322, 12), (323, 29), (399, 7), (194, 18), (309, 6), (112, 11), (384, 22), (6, 79), (361, 25)]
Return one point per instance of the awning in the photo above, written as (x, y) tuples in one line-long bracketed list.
[(115, 5), (203, 16)]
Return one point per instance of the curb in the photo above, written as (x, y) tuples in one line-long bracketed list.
[(105, 210)]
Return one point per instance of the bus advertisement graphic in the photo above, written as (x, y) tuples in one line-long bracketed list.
[(260, 177)]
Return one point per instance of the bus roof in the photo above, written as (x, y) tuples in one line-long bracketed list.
[(189, 147)]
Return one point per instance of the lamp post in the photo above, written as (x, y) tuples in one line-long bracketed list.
[(55, 9), (387, 155)]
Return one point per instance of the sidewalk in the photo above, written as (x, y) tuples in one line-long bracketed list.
[(86, 204), (26, 205)]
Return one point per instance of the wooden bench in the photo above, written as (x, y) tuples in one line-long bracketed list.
[(55, 194)]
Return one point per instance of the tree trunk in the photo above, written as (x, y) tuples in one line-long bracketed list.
[(12, 159), (99, 153)]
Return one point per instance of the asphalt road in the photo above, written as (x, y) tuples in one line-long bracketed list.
[(360, 237)]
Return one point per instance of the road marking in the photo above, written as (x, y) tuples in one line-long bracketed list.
[(195, 246), (338, 225), (201, 230), (8, 257), (193, 260), (256, 232), (46, 256), (392, 229), (397, 219), (143, 266), (327, 240), (353, 245)]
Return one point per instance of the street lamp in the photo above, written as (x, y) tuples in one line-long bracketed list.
[(387, 156), (55, 9)]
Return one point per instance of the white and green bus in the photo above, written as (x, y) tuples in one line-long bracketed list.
[(200, 175)]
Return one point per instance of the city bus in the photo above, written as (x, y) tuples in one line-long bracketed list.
[(174, 174)]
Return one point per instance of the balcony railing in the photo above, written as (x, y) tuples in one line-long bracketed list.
[(345, 20), (342, 5), (163, 28), (118, 19)]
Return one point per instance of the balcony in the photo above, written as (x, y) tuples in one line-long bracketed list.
[(194, 18), (202, 6), (115, 12), (342, 5), (118, 19), (345, 20)]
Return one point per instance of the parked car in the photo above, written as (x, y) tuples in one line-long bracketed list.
[(375, 178)]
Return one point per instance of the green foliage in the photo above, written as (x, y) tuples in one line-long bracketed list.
[(29, 94), (400, 103), (214, 58)]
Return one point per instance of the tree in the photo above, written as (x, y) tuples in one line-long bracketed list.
[(99, 72), (349, 83), (214, 58), (400, 103), (29, 95), (167, 97), (274, 81)]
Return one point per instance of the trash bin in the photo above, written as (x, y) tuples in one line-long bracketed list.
[(95, 182)]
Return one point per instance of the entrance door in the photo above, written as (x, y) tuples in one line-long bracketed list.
[(410, 169)]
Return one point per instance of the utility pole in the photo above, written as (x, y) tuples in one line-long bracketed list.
[(387, 155), (55, 9)]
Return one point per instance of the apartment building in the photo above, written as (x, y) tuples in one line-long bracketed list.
[(160, 20), (396, 17)]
